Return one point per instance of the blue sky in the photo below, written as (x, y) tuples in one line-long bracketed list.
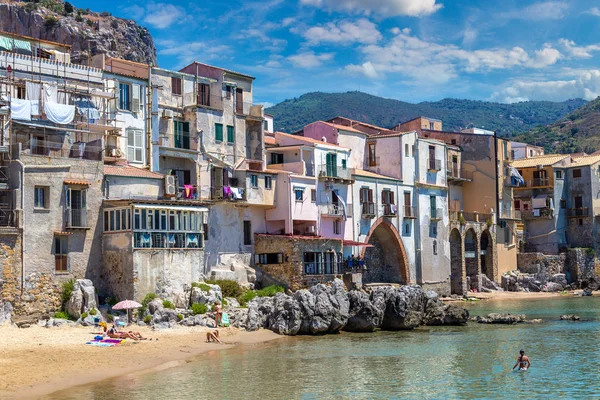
[(411, 50)]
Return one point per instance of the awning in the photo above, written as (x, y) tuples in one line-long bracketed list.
[(169, 207), (76, 182), (349, 243)]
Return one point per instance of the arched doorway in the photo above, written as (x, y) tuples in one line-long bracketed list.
[(456, 263), (487, 254), (471, 258), (386, 260)]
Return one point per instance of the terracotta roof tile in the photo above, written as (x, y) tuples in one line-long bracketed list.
[(128, 170), (369, 174), (81, 182), (270, 140), (586, 160), (310, 140), (548, 159)]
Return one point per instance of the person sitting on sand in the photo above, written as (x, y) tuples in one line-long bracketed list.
[(218, 313), (522, 362), (213, 336)]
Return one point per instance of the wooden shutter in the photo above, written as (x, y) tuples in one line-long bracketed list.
[(383, 197), (361, 195), (392, 198), (370, 195), (239, 101), (135, 98)]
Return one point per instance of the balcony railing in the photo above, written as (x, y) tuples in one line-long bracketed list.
[(434, 164), (231, 193), (410, 212), (56, 146), (538, 182), (368, 209), (332, 209), (578, 212), (510, 181), (437, 213), (187, 192), (178, 141), (333, 172), (455, 172), (390, 210), (76, 218), (511, 214), (537, 213)]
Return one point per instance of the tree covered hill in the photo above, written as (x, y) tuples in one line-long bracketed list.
[(507, 119), (576, 132)]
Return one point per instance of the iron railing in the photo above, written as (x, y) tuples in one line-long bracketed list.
[(434, 164), (410, 212), (390, 210), (545, 212), (334, 172), (76, 218), (537, 182), (368, 209), (578, 212)]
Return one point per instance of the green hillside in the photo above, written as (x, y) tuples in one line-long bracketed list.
[(578, 131), (507, 119)]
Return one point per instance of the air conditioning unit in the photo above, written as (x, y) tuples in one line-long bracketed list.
[(167, 114), (310, 229), (170, 186)]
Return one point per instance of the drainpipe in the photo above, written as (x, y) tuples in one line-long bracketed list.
[(22, 222), (417, 227)]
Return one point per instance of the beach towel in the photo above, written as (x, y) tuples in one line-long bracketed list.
[(101, 344), (225, 320)]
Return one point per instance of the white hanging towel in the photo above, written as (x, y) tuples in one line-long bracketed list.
[(51, 92), (539, 201), (32, 90), (20, 109), (59, 113), (35, 107)]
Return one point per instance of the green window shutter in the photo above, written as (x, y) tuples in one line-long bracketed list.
[(230, 134), (219, 132), (186, 135), (177, 133)]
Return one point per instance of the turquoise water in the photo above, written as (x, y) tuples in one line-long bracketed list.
[(470, 362)]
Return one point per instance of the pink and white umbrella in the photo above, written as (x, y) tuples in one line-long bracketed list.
[(126, 305)]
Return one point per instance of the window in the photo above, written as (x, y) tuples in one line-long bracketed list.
[(134, 146), (299, 193), (336, 227), (453, 141), (203, 95), (372, 154), (228, 90), (276, 158), (387, 196), (435, 247), (580, 221), (559, 174), (176, 86), (563, 203), (406, 150), (407, 229), (517, 204), (512, 154), (268, 182), (343, 164), (181, 133), (219, 132), (432, 206), (247, 233), (61, 253), (124, 96), (254, 181), (505, 150), (431, 126), (433, 230), (205, 231), (76, 208), (366, 195), (313, 263), (577, 173), (313, 195), (118, 220), (530, 153), (268, 258), (230, 134), (239, 101), (507, 236), (266, 126), (40, 197)]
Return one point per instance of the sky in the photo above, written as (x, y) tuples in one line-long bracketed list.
[(410, 50)]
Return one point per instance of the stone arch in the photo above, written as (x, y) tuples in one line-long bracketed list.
[(486, 247), (386, 261), (457, 269), (471, 256)]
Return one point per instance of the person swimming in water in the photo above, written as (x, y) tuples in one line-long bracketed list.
[(522, 362)]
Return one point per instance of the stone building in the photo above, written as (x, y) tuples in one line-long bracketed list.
[(521, 150)]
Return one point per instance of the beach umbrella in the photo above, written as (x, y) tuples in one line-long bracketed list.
[(126, 305)]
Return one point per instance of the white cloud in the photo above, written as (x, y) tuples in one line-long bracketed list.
[(288, 21), (594, 11), (186, 52), (270, 41), (135, 12), (343, 32), (469, 36), (543, 10), (577, 84), (413, 8), (162, 15), (578, 51), (365, 69), (431, 62), (309, 59)]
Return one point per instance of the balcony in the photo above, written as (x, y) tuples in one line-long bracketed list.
[(178, 141), (578, 212), (410, 212), (433, 164), (57, 146), (188, 193), (538, 182), (329, 172), (511, 215), (76, 219), (230, 193), (510, 181), (368, 210), (390, 210), (437, 214), (457, 174), (537, 213), (334, 210)]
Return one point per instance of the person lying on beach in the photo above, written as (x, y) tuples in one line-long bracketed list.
[(522, 362), (115, 334), (213, 337)]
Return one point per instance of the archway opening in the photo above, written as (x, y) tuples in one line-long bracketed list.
[(471, 258), (386, 260), (456, 263), (487, 254)]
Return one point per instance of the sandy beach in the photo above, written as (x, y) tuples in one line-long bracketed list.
[(36, 361)]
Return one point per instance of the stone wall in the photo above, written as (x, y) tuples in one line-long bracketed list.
[(582, 266), (535, 263), (579, 265)]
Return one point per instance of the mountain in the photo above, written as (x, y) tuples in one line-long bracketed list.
[(87, 32), (578, 131), (507, 119)]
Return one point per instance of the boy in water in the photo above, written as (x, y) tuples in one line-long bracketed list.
[(522, 362)]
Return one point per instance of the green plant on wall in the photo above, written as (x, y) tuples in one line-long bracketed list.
[(461, 219), (489, 222)]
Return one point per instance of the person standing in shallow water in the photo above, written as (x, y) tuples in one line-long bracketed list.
[(522, 362)]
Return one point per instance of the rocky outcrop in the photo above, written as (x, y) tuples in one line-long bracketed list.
[(103, 34), (496, 318), (5, 312), (329, 309), (83, 298), (524, 282), (570, 317)]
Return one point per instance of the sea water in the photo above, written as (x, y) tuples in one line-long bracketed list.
[(471, 362)]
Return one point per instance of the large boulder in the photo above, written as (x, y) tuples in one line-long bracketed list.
[(364, 316), (90, 298), (287, 316), (210, 296), (259, 310), (74, 305), (404, 308), (5, 312), (194, 320), (553, 287), (561, 279), (181, 299), (497, 318), (155, 305), (448, 315)]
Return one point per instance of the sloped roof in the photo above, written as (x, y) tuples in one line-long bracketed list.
[(548, 159), (310, 140), (586, 160), (342, 127), (270, 140), (369, 174), (128, 170)]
